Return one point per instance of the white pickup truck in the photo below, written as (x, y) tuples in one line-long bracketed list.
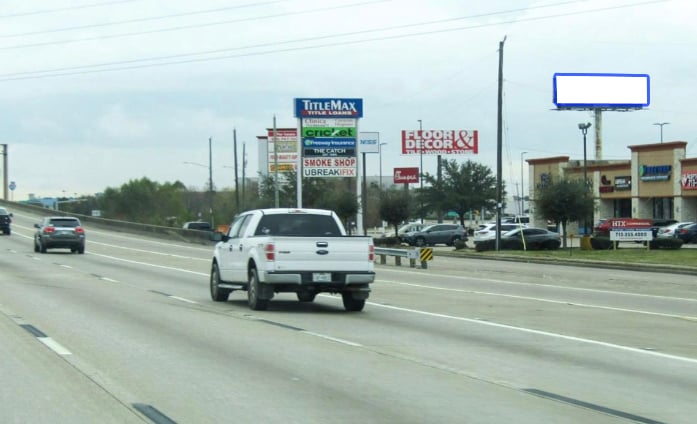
[(303, 251)]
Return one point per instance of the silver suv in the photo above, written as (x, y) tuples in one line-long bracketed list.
[(446, 234), (59, 232)]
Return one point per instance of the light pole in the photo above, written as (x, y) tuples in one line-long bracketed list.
[(661, 124), (522, 186), (210, 176), (380, 161), (421, 170), (584, 130)]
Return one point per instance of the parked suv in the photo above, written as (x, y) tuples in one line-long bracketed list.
[(59, 232), (434, 234), (5, 221)]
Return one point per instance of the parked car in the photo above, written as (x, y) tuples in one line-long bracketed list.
[(488, 231), (529, 238), (5, 221), (656, 224), (671, 230), (409, 228), (687, 234), (446, 234), (198, 225), (59, 232)]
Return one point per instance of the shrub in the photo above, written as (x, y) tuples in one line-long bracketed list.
[(460, 244), (601, 242), (666, 243)]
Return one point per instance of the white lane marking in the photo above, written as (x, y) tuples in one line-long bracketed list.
[(89, 242), (66, 266), (540, 333), (54, 346), (518, 283), (537, 299), (334, 339), (184, 300), (111, 280), (152, 265)]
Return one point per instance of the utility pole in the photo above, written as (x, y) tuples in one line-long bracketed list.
[(244, 167), (210, 177), (275, 165), (4, 171), (421, 170), (499, 144), (237, 191)]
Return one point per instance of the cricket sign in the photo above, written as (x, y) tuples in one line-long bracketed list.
[(440, 142), (406, 175)]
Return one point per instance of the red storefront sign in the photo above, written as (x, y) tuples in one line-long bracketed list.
[(406, 175)]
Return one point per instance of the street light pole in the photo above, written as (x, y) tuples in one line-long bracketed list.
[(380, 160), (522, 186), (421, 170), (584, 130), (210, 178), (661, 124)]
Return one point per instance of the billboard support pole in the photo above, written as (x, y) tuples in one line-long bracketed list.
[(598, 133)]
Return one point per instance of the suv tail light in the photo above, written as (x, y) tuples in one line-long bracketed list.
[(270, 251), (49, 230), (79, 230)]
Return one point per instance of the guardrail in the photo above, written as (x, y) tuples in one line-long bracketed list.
[(423, 255)]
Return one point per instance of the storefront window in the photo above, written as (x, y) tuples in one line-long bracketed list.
[(663, 207)]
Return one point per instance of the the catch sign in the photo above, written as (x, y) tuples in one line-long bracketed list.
[(596, 90)]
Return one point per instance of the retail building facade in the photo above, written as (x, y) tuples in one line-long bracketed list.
[(658, 181)]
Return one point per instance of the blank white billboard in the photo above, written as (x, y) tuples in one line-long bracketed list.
[(601, 90)]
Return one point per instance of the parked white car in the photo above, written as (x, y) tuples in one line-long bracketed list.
[(488, 231), (669, 230)]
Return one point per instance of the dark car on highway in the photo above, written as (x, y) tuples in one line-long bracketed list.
[(59, 232), (523, 238), (5, 221), (446, 234)]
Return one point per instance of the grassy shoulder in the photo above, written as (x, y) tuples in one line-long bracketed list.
[(683, 257)]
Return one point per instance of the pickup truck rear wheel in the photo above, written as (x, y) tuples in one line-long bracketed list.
[(253, 288), (352, 304), (218, 294)]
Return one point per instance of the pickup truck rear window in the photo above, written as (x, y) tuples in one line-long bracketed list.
[(298, 225)]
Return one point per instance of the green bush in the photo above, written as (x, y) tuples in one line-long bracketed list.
[(666, 243), (601, 243), (460, 244), (386, 241)]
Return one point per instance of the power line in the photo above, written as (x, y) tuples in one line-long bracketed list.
[(315, 10), (139, 20), (63, 9), (73, 70)]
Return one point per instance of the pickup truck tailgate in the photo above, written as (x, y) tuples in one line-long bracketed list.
[(322, 254)]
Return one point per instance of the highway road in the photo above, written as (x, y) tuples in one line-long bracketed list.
[(127, 333)]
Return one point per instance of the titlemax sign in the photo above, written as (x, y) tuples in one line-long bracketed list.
[(440, 142), (337, 108)]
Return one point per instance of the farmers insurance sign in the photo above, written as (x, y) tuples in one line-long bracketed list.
[(440, 142)]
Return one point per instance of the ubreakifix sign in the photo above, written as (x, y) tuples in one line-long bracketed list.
[(329, 167), (329, 108)]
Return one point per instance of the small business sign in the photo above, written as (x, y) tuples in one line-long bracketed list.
[(654, 173), (440, 142), (631, 235), (329, 122), (406, 175), (329, 151), (328, 108), (369, 142), (329, 142), (317, 132), (688, 180), (329, 167), (623, 183)]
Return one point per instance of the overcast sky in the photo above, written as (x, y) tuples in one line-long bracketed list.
[(95, 93)]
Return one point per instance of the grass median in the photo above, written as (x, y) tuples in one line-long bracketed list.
[(683, 257)]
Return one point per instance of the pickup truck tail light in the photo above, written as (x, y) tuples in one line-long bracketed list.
[(371, 253), (270, 251)]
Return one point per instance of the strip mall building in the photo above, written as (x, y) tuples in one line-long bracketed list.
[(658, 182)]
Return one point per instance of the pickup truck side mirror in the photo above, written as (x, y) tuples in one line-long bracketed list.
[(218, 236)]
